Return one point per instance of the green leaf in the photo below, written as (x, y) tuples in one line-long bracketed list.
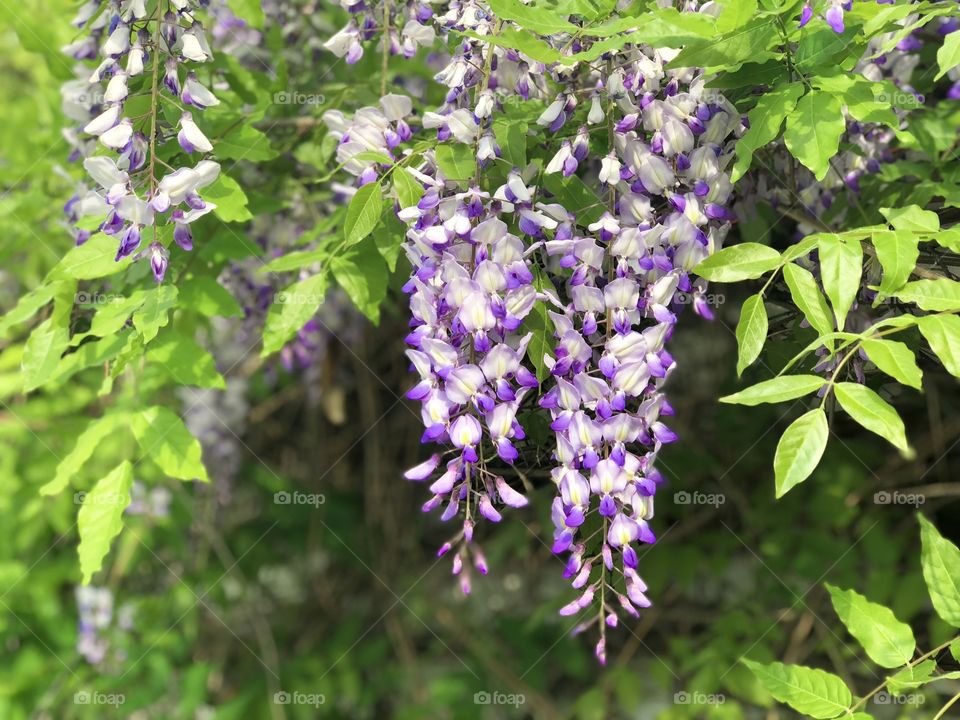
[(897, 252), (363, 213), (766, 118), (735, 13), (660, 27), (373, 156), (408, 190), (208, 297), (164, 438), (154, 313), (751, 331), (874, 413), (112, 314), (362, 273), (911, 677), (93, 259), (229, 198), (867, 102), (934, 295), (575, 195), (799, 450), (749, 43), (511, 136), (949, 238), (27, 306), (940, 559), (948, 54), (841, 265), (778, 389), (801, 248), (895, 359), (912, 218), (42, 352), (89, 354), (884, 16), (814, 693), (87, 443), (813, 131), (100, 518), (942, 333), (185, 361), (807, 297), (539, 323), (297, 260), (587, 9), (746, 261), (250, 11), (291, 310), (819, 46), (456, 161), (539, 18), (515, 38), (243, 142), (888, 642), (388, 237)]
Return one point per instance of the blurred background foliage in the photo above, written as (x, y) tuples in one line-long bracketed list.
[(232, 597)]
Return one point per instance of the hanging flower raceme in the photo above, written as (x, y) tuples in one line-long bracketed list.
[(470, 291), (625, 274), (147, 54), (622, 276)]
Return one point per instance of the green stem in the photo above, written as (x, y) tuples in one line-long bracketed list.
[(950, 703), (386, 48), (862, 701), (154, 102)]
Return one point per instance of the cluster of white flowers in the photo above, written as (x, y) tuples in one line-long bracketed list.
[(140, 55)]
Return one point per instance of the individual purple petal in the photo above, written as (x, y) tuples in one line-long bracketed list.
[(424, 469)]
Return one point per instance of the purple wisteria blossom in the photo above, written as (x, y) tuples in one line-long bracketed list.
[(470, 291), (611, 280), (145, 53), (667, 196)]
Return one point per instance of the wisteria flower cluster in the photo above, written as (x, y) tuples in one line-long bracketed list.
[(623, 277), (101, 625), (150, 53), (470, 291), (626, 278)]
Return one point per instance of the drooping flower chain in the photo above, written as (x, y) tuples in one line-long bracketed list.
[(470, 290), (147, 50), (624, 276)]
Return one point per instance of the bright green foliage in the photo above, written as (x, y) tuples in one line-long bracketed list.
[(809, 691), (800, 450), (888, 642), (99, 520)]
